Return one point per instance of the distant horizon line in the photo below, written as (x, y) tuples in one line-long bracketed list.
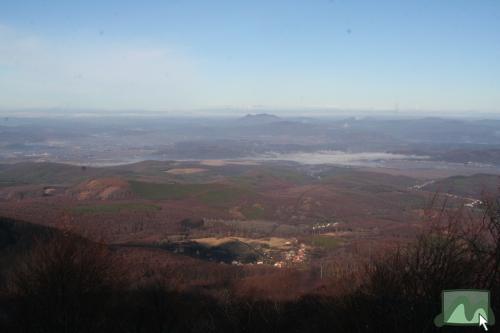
[(235, 112)]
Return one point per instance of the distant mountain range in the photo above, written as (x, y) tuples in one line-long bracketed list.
[(259, 118)]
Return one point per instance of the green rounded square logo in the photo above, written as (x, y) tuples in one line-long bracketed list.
[(465, 307)]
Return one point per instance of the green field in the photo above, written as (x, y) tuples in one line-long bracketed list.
[(157, 191), (210, 194), (219, 196), (325, 242), (224, 194), (253, 212), (270, 175)]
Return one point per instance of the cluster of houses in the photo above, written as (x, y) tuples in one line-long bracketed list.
[(421, 186), (293, 257), (289, 258), (474, 203), (324, 227)]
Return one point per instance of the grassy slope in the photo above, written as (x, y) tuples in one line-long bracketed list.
[(468, 186), (114, 208), (51, 173), (211, 194)]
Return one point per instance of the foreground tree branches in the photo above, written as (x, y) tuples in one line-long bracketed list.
[(68, 284)]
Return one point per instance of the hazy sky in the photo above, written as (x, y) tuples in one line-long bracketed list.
[(169, 55)]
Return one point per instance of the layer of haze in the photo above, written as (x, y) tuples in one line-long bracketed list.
[(412, 56)]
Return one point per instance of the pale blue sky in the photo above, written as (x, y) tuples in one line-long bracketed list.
[(416, 55)]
